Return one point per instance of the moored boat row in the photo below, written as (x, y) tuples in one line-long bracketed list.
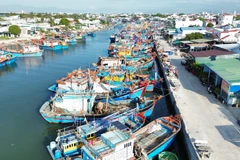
[(109, 99)]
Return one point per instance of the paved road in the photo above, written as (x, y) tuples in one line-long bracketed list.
[(204, 116)]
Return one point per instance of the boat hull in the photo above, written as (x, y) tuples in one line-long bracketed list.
[(161, 148), (36, 54), (137, 93), (147, 65), (72, 43), (145, 112), (53, 88), (8, 62), (65, 47), (54, 48)]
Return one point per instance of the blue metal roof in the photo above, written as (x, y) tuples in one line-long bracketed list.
[(192, 28)]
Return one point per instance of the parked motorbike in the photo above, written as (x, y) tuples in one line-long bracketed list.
[(210, 88)]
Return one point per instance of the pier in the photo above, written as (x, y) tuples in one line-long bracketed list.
[(209, 128)]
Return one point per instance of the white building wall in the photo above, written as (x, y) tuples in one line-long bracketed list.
[(121, 153), (187, 23), (226, 19)]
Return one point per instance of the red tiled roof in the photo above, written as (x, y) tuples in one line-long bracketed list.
[(209, 53), (225, 36)]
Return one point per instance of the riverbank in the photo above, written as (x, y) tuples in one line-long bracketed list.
[(29, 37), (204, 117)]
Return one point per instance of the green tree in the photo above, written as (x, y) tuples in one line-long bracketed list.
[(64, 21), (160, 15), (51, 22), (195, 35), (14, 29), (76, 20), (237, 17), (210, 25), (23, 15), (202, 19), (103, 22), (31, 15), (1, 19)]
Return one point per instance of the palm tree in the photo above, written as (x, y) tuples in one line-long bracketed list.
[(51, 22)]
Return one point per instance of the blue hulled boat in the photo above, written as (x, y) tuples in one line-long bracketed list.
[(156, 137), (80, 39), (69, 108), (27, 51), (72, 41), (54, 45), (71, 139), (7, 59), (91, 34), (121, 143), (33, 54)]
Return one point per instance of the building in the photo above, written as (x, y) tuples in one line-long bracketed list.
[(4, 29), (203, 57), (235, 48), (188, 30), (226, 75), (186, 22), (225, 19), (225, 35)]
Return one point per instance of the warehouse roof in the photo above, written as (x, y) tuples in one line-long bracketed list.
[(227, 69), (209, 53)]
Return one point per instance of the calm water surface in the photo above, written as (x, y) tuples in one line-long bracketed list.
[(24, 133)]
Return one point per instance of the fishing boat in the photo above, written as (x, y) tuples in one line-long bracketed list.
[(7, 59), (71, 41), (80, 38), (156, 137), (112, 39), (54, 45), (27, 51), (68, 108), (121, 143), (117, 143), (70, 140), (91, 34), (167, 156)]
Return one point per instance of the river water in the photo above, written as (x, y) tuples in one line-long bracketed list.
[(24, 133)]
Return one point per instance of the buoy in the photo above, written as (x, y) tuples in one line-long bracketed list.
[(52, 145), (57, 154)]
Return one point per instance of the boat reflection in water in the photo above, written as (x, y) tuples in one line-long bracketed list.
[(32, 62), (8, 68)]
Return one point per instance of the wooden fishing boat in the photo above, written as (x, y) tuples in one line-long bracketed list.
[(91, 34), (54, 45), (71, 41), (70, 140), (26, 51), (68, 108), (120, 143), (80, 38), (7, 59), (156, 137)]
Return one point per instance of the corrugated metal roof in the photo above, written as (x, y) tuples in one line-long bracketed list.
[(201, 40), (209, 53), (227, 69)]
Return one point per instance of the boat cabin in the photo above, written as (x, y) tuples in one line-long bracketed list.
[(114, 144)]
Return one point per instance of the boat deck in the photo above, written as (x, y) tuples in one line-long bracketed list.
[(148, 142)]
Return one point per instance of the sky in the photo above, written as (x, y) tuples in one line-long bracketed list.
[(122, 6)]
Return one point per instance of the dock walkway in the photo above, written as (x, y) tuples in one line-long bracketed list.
[(205, 118)]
